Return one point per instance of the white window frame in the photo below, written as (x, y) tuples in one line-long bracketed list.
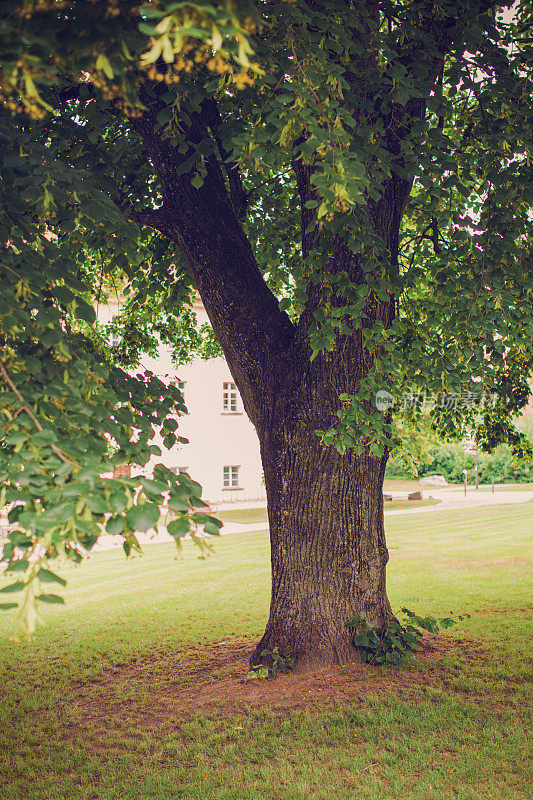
[(179, 470), (231, 476), (229, 398), (179, 385)]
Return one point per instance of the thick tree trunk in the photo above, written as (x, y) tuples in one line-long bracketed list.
[(325, 509), (328, 546)]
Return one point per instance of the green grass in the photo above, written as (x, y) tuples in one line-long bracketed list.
[(244, 515), (258, 515), (250, 516), (459, 732), (397, 505)]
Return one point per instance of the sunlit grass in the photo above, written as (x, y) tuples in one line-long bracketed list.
[(258, 515), (461, 736)]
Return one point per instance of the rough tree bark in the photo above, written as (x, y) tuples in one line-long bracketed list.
[(328, 549)]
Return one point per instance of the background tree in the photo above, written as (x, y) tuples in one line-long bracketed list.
[(347, 187)]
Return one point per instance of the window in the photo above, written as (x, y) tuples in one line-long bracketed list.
[(180, 385), (179, 470), (115, 339), (231, 478), (229, 397)]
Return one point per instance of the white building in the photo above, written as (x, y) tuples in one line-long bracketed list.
[(223, 450)]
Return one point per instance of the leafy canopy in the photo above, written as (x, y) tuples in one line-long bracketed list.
[(325, 117)]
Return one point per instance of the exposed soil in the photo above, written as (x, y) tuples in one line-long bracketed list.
[(170, 687)]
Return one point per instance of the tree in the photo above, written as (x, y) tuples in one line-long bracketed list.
[(345, 185)]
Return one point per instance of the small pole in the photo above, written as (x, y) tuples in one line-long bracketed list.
[(477, 471), (465, 472)]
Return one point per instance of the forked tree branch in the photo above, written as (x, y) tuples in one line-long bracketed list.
[(249, 325)]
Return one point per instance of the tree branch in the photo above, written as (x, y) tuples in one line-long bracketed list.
[(252, 330), (239, 198), (152, 217), (27, 408)]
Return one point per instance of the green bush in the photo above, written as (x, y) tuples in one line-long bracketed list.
[(450, 460), (396, 641)]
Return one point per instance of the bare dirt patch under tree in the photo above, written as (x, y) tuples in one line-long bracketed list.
[(177, 687)]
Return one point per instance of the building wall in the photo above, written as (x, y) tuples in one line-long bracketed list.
[(216, 438)]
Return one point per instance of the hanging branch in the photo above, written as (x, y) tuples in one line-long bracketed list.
[(27, 408)]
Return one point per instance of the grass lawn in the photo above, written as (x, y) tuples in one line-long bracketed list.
[(244, 515), (98, 705), (254, 515), (397, 505)]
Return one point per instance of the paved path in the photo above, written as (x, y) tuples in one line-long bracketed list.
[(454, 499)]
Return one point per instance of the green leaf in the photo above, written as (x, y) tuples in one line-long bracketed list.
[(153, 489), (142, 517), (96, 504), (50, 598), (179, 527), (197, 502), (84, 311), (51, 337), (16, 437), (115, 525), (102, 63), (211, 527), (13, 587), (118, 501), (63, 294), (18, 566), (178, 504), (50, 577)]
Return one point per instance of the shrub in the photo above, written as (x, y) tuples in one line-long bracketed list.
[(395, 642), (450, 460)]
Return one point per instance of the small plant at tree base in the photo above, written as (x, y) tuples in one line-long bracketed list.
[(395, 642), (277, 663)]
